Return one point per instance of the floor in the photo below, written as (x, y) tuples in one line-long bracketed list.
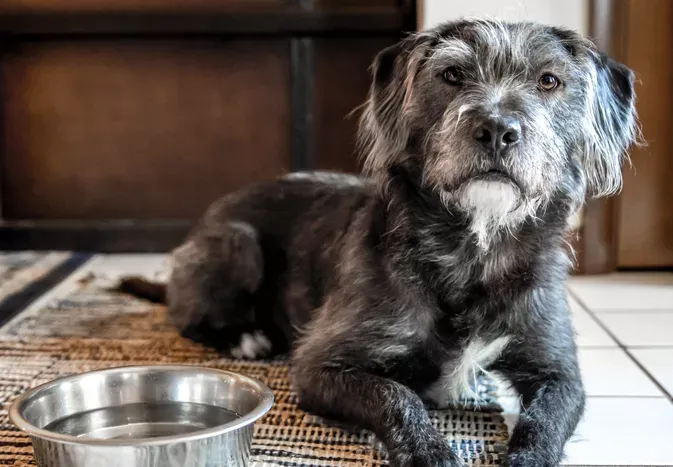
[(624, 325)]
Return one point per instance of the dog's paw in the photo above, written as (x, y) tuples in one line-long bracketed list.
[(252, 346), (430, 460), (435, 454), (531, 459), (436, 461)]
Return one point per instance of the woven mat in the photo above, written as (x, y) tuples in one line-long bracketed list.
[(81, 327), (25, 275)]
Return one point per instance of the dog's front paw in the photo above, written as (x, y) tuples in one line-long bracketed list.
[(531, 459), (434, 454)]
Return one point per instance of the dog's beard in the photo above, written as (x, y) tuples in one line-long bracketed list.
[(492, 206)]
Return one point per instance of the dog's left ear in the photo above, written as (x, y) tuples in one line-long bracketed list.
[(613, 124)]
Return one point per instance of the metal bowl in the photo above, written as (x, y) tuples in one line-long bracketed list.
[(163, 416)]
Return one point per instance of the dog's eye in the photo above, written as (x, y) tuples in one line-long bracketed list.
[(453, 75), (548, 82)]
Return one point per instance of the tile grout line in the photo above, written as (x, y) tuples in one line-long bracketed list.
[(651, 347), (612, 311), (619, 343), (602, 347), (654, 380), (603, 396)]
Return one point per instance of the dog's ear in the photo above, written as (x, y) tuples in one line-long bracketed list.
[(384, 127), (613, 124)]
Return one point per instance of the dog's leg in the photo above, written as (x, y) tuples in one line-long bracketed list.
[(546, 375), (550, 413), (391, 410)]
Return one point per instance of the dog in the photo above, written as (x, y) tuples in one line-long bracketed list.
[(481, 139)]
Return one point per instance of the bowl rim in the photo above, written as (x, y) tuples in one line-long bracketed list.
[(263, 406)]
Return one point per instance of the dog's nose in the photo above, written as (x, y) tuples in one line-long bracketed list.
[(498, 134)]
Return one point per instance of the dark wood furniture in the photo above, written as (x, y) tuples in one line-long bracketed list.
[(120, 121), (633, 230)]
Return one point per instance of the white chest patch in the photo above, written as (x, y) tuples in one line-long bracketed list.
[(491, 205), (458, 379)]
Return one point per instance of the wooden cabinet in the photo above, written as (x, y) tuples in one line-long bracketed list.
[(645, 213), (635, 229), (121, 129), (121, 121)]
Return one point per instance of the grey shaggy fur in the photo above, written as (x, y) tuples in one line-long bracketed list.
[(393, 291)]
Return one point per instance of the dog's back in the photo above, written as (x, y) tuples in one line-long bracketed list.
[(258, 262)]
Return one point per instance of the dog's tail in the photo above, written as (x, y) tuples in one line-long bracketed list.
[(142, 288)]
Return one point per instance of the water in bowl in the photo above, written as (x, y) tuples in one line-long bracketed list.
[(143, 420)]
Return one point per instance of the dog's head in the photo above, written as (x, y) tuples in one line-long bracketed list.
[(498, 118)]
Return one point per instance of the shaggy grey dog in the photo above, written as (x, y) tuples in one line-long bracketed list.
[(480, 140)]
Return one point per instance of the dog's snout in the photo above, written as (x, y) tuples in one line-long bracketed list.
[(498, 135)]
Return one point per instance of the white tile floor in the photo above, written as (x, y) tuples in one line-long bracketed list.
[(624, 325)]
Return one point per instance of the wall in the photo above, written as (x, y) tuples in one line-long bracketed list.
[(569, 13)]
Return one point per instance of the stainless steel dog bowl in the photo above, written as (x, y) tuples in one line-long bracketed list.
[(158, 416)]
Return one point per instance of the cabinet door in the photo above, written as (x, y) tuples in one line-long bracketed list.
[(139, 128), (645, 225)]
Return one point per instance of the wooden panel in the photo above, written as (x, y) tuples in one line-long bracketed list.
[(149, 129), (645, 215), (81, 6), (362, 5), (143, 17), (341, 83), (103, 236)]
